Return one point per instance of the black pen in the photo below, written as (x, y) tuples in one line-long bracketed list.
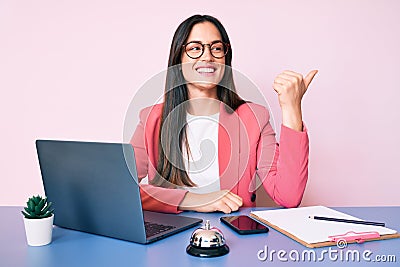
[(346, 221)]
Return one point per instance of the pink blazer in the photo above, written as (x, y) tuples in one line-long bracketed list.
[(246, 147)]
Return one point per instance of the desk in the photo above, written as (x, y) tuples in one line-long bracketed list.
[(74, 249)]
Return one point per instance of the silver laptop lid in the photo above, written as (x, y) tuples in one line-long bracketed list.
[(93, 187)]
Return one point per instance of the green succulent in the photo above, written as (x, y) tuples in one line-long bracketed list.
[(37, 208)]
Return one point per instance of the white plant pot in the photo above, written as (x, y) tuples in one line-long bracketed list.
[(39, 231)]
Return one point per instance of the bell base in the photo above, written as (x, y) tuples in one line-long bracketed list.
[(207, 252)]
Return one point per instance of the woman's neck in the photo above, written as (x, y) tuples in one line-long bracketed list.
[(203, 102), (203, 106)]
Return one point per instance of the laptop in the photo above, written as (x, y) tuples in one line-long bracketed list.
[(94, 188)]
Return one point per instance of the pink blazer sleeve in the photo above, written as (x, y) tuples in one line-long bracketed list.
[(284, 176), (154, 198)]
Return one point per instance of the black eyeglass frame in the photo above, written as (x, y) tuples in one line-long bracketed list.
[(209, 46)]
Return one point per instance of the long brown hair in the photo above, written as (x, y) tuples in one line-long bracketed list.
[(170, 166)]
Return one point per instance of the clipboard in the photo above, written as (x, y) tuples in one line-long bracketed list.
[(296, 224)]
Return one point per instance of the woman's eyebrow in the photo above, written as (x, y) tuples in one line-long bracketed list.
[(198, 41)]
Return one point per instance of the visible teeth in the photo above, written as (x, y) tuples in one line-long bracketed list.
[(208, 70)]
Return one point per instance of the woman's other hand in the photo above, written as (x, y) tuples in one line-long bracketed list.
[(223, 200), (291, 87)]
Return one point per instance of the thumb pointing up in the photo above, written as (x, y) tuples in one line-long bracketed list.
[(309, 77)]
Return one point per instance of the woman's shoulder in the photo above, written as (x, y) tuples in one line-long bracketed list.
[(151, 112), (250, 109)]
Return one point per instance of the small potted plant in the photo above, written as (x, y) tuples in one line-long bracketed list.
[(38, 221)]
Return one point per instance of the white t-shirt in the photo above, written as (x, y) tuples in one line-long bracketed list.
[(202, 165)]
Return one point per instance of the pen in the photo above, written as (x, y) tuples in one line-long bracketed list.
[(346, 221)]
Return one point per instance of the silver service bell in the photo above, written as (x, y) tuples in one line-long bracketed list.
[(207, 242)]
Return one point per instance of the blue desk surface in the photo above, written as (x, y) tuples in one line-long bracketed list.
[(73, 248)]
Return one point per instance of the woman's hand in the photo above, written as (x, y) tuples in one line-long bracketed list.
[(223, 200), (291, 87)]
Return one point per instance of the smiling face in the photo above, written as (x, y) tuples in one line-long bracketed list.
[(204, 73)]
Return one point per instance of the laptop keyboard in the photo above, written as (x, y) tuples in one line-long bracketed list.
[(154, 228)]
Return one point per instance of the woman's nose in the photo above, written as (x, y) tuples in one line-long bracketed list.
[(207, 53)]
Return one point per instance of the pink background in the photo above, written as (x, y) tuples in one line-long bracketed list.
[(69, 69)]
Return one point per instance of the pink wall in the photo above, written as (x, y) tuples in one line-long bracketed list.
[(69, 69)]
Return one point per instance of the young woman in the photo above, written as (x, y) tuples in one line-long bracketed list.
[(203, 146)]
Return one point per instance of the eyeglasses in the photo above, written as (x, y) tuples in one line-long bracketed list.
[(195, 49)]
